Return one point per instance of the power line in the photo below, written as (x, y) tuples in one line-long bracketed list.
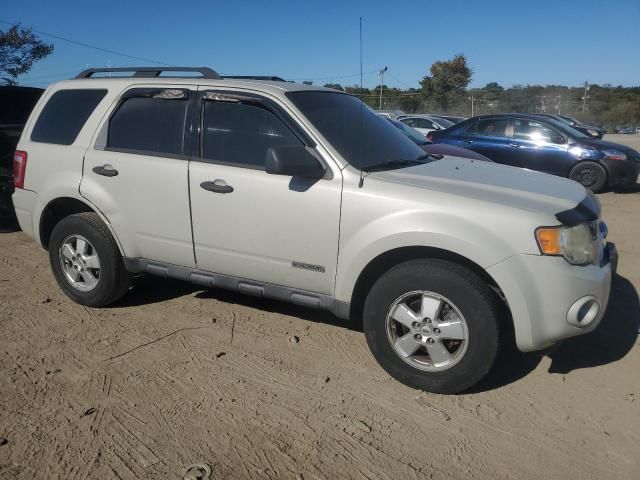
[(82, 44), (400, 81), (334, 77)]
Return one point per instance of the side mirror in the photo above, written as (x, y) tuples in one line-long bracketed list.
[(293, 161), (557, 139)]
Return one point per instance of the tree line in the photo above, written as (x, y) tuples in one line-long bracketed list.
[(445, 90)]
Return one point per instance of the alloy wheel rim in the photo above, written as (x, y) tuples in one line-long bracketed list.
[(427, 331), (80, 263)]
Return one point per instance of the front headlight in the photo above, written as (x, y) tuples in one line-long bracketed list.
[(614, 155), (593, 133), (579, 245), (584, 152)]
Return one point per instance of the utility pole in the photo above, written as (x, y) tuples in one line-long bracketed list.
[(381, 73), (584, 99), (472, 100), (109, 66)]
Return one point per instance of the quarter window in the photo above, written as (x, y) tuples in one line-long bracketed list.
[(64, 115), (240, 134), (149, 125)]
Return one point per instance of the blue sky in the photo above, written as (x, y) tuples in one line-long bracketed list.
[(511, 42)]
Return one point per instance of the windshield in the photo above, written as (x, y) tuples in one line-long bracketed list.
[(410, 132), (443, 122), (566, 129), (361, 136)]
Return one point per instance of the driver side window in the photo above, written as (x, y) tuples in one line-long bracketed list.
[(535, 131), (240, 134)]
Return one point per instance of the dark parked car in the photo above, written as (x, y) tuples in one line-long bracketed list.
[(593, 131), (625, 130), (544, 144), (16, 104), (436, 148)]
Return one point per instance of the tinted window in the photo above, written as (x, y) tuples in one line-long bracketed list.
[(64, 115), (419, 123), (241, 134), (360, 136), (147, 124), (535, 131), (492, 127)]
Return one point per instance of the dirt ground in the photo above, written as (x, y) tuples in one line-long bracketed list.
[(175, 375)]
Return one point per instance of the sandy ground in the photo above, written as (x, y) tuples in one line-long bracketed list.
[(174, 375)]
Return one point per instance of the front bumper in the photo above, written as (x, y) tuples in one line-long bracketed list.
[(622, 172), (549, 298)]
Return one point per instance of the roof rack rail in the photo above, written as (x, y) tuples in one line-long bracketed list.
[(150, 72), (255, 77)]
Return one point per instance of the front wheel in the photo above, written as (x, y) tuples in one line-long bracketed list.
[(590, 175), (433, 325)]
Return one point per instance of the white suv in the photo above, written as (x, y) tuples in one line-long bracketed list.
[(302, 194)]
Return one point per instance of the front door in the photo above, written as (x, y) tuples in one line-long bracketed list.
[(251, 224), (137, 174), (538, 146)]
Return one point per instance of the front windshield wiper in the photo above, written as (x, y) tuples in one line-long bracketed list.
[(398, 163)]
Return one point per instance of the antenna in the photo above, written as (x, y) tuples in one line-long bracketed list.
[(360, 58), (361, 111)]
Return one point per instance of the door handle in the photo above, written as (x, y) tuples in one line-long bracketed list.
[(105, 170), (468, 141), (514, 145), (217, 186)]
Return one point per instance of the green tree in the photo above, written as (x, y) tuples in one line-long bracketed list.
[(19, 49), (447, 82)]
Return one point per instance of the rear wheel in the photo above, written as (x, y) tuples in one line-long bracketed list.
[(86, 261), (590, 175), (433, 325)]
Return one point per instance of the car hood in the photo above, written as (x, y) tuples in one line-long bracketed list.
[(491, 182), (446, 149), (603, 145)]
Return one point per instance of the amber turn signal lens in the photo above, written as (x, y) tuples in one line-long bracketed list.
[(549, 240)]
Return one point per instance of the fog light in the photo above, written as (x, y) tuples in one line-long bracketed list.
[(583, 311)]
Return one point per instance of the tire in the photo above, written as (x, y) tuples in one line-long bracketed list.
[(471, 301), (590, 175), (98, 286)]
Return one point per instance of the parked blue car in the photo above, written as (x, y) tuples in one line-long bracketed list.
[(546, 145)]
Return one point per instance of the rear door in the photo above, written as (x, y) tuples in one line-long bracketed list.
[(254, 225), (490, 137), (536, 145), (137, 173)]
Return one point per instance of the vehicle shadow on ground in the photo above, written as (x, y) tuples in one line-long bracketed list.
[(635, 188), (279, 307), (148, 289), (610, 341)]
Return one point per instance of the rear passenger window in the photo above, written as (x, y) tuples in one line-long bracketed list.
[(492, 127), (64, 115), (241, 134), (149, 124)]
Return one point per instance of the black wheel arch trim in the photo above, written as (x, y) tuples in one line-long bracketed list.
[(587, 210)]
